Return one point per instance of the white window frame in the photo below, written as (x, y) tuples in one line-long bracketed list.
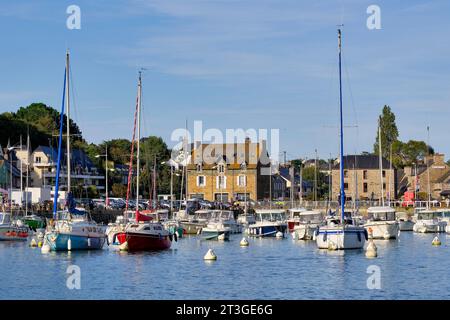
[(218, 182), (198, 181), (238, 181)]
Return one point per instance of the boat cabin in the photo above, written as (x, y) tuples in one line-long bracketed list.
[(270, 215), (5, 218), (381, 214)]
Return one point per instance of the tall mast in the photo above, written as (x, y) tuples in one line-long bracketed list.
[(138, 164), (58, 165), (68, 119), (21, 175), (390, 175), (28, 172), (341, 152), (381, 164), (428, 169)]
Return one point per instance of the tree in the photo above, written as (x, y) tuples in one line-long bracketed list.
[(405, 154), (119, 190), (389, 132)]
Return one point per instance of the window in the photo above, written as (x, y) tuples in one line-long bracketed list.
[(199, 167), (201, 181), (221, 168), (345, 173), (345, 186), (221, 182), (38, 160), (241, 181), (365, 187), (365, 174), (384, 174), (384, 186)]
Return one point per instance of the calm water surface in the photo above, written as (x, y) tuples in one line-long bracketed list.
[(411, 268)]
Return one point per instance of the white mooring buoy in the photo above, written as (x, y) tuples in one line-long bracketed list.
[(69, 245), (371, 250), (210, 255), (221, 237), (244, 242), (279, 235), (436, 241), (33, 243)]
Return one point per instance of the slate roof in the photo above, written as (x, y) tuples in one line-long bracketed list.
[(368, 162)]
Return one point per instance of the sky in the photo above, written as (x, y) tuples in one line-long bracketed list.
[(266, 64)]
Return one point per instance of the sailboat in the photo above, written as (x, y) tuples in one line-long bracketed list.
[(72, 228), (381, 222), (11, 229), (340, 234), (34, 222), (144, 233)]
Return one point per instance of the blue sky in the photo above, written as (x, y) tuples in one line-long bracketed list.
[(235, 64)]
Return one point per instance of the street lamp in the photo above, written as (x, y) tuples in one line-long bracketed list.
[(106, 175)]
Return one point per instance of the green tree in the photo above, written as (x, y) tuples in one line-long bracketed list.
[(119, 190), (389, 132)]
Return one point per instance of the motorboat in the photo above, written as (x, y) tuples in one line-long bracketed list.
[(11, 230), (426, 222), (193, 224), (294, 218), (268, 223), (405, 222), (443, 217), (226, 217), (381, 223), (308, 222)]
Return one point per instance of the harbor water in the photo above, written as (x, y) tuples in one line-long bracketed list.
[(408, 268)]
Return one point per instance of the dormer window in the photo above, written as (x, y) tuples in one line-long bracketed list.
[(199, 167), (221, 168)]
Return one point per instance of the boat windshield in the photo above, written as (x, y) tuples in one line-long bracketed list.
[(225, 215), (204, 215), (265, 216), (425, 215), (381, 216), (5, 218), (308, 218)]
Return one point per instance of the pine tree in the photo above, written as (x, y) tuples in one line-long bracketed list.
[(389, 132)]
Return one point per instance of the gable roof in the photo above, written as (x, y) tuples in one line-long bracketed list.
[(370, 162)]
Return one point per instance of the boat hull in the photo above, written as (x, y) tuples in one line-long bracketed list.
[(406, 225), (304, 232), (424, 227), (191, 227), (144, 242), (340, 238), (60, 242), (383, 229), (267, 230), (215, 234)]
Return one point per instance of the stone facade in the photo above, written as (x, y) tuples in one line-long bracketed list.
[(362, 178), (217, 172), (437, 170)]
